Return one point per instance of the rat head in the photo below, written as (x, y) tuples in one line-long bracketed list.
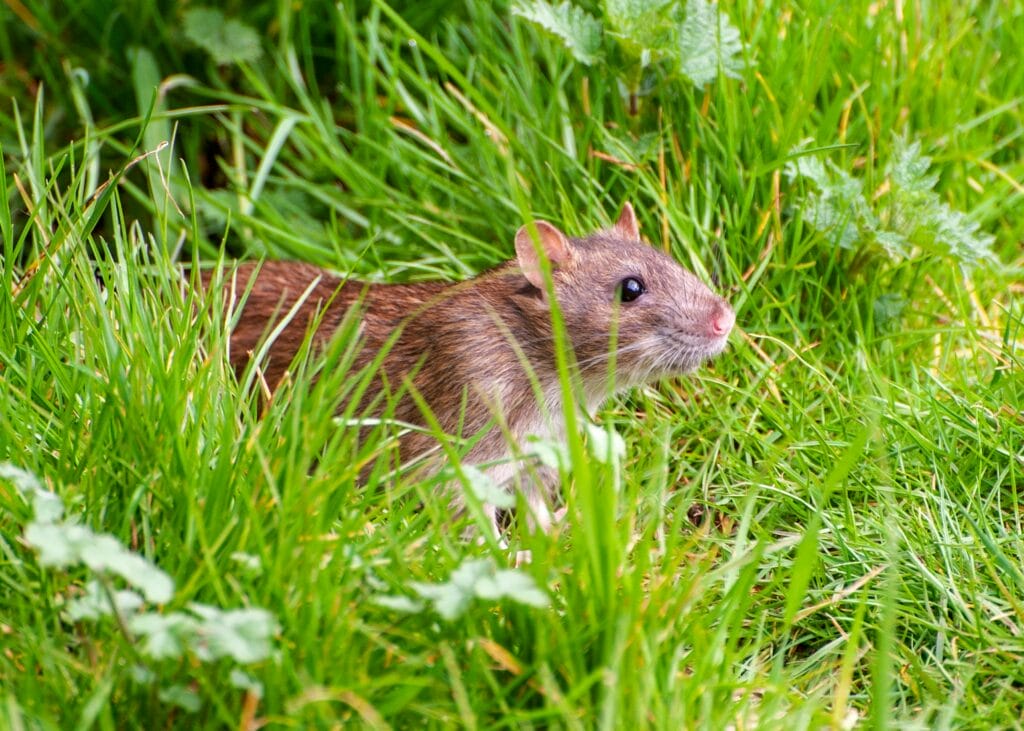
[(664, 320)]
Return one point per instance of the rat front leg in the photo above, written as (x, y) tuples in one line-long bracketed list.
[(541, 486)]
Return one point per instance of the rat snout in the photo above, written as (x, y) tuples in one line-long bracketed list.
[(721, 320)]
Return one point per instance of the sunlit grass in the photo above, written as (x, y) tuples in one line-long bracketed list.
[(821, 528)]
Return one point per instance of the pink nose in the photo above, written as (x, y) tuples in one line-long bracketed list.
[(722, 321)]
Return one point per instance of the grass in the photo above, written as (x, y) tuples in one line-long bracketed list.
[(823, 529)]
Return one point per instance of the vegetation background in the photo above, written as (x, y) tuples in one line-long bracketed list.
[(823, 529)]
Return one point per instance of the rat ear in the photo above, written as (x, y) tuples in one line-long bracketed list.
[(552, 241), (626, 225)]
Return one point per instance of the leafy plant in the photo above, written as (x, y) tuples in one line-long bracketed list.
[(578, 30), (202, 633), (904, 217), (473, 579), (708, 43), (697, 42), (227, 40)]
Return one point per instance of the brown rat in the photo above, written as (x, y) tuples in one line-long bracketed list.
[(464, 344)]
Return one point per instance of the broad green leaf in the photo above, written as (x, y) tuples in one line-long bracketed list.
[(95, 603), (66, 544), (643, 28), (577, 29), (708, 42), (605, 445), (909, 215), (398, 603), (182, 697), (549, 452), (451, 598), (163, 636), (241, 634), (958, 236), (23, 480), (511, 584), (58, 544), (895, 244), (243, 681), (909, 168), (105, 553), (247, 562), (833, 216), (486, 490), (227, 40), (479, 578), (919, 214), (888, 309), (47, 507), (838, 209)]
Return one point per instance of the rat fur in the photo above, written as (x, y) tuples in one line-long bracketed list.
[(469, 348)]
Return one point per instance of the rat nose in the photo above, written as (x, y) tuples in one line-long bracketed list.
[(722, 320)]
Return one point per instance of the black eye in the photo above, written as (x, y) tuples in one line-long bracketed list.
[(630, 288)]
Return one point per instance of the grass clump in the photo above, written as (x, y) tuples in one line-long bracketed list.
[(821, 529)]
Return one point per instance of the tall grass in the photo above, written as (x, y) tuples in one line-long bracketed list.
[(823, 528)]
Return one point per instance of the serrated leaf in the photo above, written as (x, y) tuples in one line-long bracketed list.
[(95, 603), (164, 636), (643, 28), (707, 43), (913, 216), (47, 507), (909, 168), (105, 553), (961, 237), (895, 244), (66, 544), (182, 697), (479, 578), (57, 543), (227, 40), (635, 150), (838, 210), (248, 563), (833, 216), (513, 584), (243, 681), (486, 490), (635, 11), (452, 597), (810, 167), (888, 308), (23, 480), (579, 31), (549, 452), (241, 634), (605, 445), (398, 603), (920, 215)]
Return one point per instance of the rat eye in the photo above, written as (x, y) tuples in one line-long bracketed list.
[(630, 288)]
